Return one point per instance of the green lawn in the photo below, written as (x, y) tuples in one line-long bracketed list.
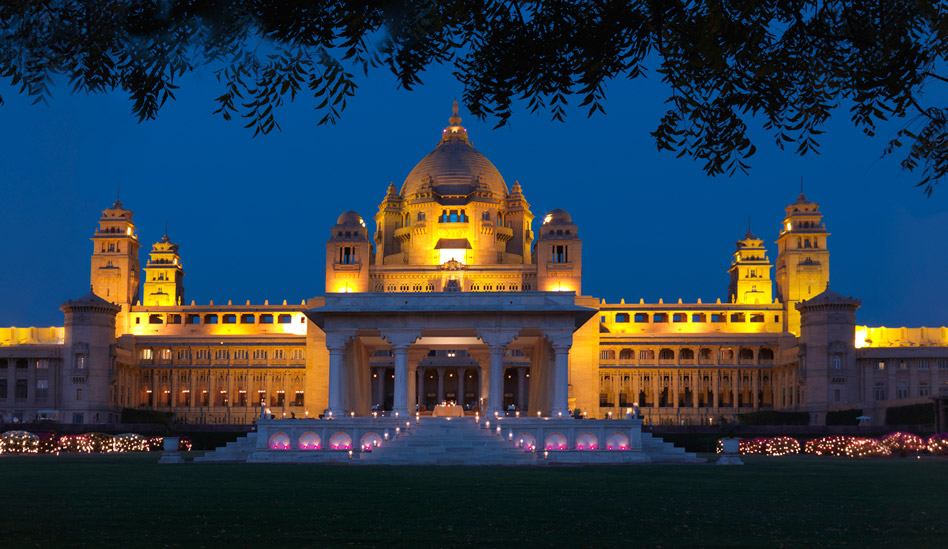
[(130, 500)]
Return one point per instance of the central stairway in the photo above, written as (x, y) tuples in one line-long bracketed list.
[(443, 441)]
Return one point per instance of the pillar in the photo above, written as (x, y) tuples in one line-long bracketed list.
[(440, 385), (336, 363), (401, 379), (495, 398), (676, 387), (755, 389), (483, 374), (736, 389), (380, 387), (696, 379), (420, 385), (561, 380), (522, 389), (461, 373)]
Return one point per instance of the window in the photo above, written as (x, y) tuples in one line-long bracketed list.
[(259, 354), (194, 319), (146, 354), (726, 354), (3, 389), (922, 365), (704, 353), (626, 354), (42, 364), (881, 366), (240, 354), (210, 319), (717, 317), (737, 317), (347, 255), (4, 364), (698, 317), (203, 354), (607, 355), (266, 319), (560, 254), (646, 354), (164, 354), (78, 394), (836, 395), (666, 354), (284, 319), (21, 364), (923, 389), (184, 354), (77, 418), (757, 318), (746, 354), (878, 391), (902, 365), (660, 317), (297, 354), (279, 354), (686, 354), (174, 319), (230, 319), (765, 354), (622, 317), (155, 319), (42, 389), (679, 317), (80, 362), (641, 317), (901, 390), (246, 319), (943, 364), (221, 354)]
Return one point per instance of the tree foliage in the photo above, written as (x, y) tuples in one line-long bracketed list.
[(787, 65)]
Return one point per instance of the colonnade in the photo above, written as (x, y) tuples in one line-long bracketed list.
[(467, 380)]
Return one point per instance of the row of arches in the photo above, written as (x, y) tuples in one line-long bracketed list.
[(311, 441), (342, 441), (704, 353)]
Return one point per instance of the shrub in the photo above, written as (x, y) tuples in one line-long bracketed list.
[(938, 444), (913, 414), (130, 442), (844, 446), (76, 444), (100, 443), (772, 417), (843, 417), (904, 444), (19, 442)]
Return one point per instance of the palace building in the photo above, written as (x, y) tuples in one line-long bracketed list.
[(459, 294)]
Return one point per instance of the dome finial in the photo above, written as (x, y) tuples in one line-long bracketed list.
[(454, 129), (455, 120)]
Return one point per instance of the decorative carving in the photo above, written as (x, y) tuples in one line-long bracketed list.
[(452, 265)]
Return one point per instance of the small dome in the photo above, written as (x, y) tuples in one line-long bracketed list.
[(350, 218), (557, 216)]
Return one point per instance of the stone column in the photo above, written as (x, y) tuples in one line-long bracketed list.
[(379, 387), (336, 364), (656, 385), (561, 379), (484, 379), (736, 389), (695, 385), (420, 385), (522, 388), (755, 389), (616, 390), (495, 398), (401, 379), (715, 389), (461, 373), (440, 385), (676, 387)]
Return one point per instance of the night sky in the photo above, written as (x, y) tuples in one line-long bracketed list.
[(252, 215)]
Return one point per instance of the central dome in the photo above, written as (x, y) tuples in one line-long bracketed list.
[(454, 167)]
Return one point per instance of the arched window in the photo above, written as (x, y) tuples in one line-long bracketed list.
[(746, 354), (660, 317), (607, 354), (679, 317), (622, 317), (687, 354), (737, 317), (641, 317), (646, 354), (766, 354), (625, 354), (666, 354), (699, 317), (704, 353)]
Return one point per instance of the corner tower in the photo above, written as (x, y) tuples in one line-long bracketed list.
[(348, 255), (115, 265), (750, 273), (802, 259), (164, 277), (559, 253)]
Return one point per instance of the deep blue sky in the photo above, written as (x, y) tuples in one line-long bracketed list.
[(252, 215)]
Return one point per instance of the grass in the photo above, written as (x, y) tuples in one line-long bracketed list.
[(129, 500)]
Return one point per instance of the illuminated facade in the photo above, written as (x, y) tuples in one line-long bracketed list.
[(455, 297)]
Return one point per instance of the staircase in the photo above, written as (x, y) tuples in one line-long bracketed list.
[(442, 441), (665, 452), (236, 450)]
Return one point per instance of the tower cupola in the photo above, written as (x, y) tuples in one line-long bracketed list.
[(164, 275), (750, 272)]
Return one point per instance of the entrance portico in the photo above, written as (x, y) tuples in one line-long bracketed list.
[(532, 330)]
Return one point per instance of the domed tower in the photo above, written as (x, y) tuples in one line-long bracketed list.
[(164, 276), (559, 254), (750, 273), (115, 265), (802, 258), (453, 206), (348, 255), (88, 370)]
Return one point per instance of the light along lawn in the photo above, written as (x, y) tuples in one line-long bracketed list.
[(130, 500)]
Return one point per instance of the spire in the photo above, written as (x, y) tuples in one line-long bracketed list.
[(750, 233), (165, 238), (118, 193), (454, 131)]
